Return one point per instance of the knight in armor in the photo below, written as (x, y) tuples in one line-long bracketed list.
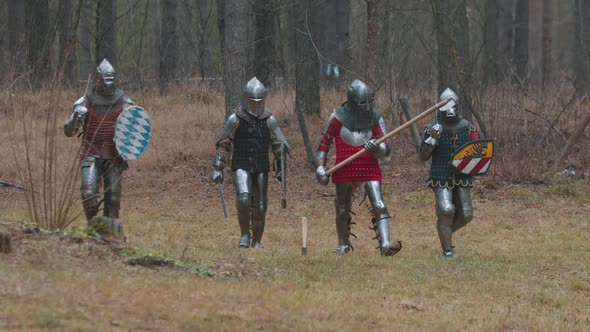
[(354, 126), (250, 132), (96, 113), (452, 190)]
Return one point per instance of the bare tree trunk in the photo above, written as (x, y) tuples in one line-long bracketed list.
[(85, 39), (67, 56), (139, 56), (521, 41), (546, 61), (168, 45), (581, 63), (265, 51), (505, 37), (491, 49), (235, 52), (322, 21), (342, 10), (454, 67), (372, 29), (384, 42), (204, 18), (221, 26), (281, 69), (16, 36), (4, 47), (38, 38), (106, 37), (188, 46), (157, 33), (307, 88), (358, 36)]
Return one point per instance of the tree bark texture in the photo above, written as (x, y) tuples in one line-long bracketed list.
[(37, 36), (187, 42), (204, 22), (372, 28), (67, 54), (505, 37), (235, 53), (546, 54), (491, 48), (106, 37), (4, 49), (168, 44), (16, 36), (307, 89), (521, 41), (265, 51), (454, 67), (85, 40), (582, 36)]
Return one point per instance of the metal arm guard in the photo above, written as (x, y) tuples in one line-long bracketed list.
[(387, 143), (279, 140), (74, 121), (218, 163), (427, 147)]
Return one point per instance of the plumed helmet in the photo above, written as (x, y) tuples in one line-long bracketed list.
[(359, 97), (105, 78), (253, 97), (450, 111)]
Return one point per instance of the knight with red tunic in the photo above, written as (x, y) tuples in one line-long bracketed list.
[(452, 190), (96, 113), (354, 126)]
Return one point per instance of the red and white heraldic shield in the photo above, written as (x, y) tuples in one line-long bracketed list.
[(475, 157)]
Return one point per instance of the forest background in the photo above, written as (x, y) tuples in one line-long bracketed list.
[(521, 68)]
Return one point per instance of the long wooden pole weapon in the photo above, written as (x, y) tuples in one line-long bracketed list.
[(384, 138)]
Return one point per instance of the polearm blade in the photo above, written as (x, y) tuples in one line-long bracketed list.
[(387, 136), (222, 197), (284, 177)]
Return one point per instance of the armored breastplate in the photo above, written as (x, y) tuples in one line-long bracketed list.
[(251, 145), (442, 173)]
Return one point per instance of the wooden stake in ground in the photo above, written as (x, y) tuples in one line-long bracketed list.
[(303, 236), (387, 136)]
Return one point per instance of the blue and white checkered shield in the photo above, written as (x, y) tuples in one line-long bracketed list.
[(132, 132)]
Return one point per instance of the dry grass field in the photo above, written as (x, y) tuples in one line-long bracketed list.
[(522, 264)]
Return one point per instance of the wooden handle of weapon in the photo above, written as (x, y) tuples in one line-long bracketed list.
[(387, 136), (303, 236)]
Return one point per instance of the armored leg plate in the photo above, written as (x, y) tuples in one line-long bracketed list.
[(343, 249), (257, 245), (343, 228), (381, 228), (245, 241)]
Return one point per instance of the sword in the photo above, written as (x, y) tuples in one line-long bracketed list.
[(222, 199)]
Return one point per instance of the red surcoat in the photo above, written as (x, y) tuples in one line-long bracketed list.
[(100, 132), (364, 168)]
